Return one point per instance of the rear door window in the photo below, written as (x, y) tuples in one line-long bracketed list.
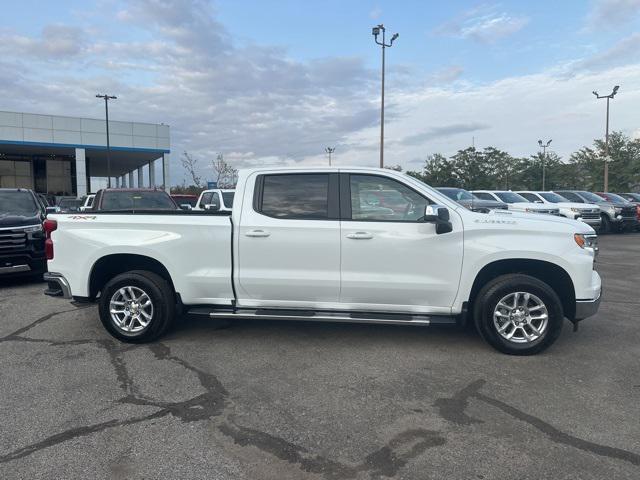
[(295, 196)]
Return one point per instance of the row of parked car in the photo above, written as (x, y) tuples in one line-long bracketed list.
[(605, 212), (142, 199)]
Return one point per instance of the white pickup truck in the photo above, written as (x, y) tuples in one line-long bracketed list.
[(330, 244)]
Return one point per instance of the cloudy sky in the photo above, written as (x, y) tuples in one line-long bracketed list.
[(275, 82)]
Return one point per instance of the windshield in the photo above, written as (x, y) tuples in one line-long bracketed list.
[(227, 198), (592, 197), (457, 194), (125, 200), (188, 200), (511, 197), (616, 198), (552, 197), (634, 197), (70, 203), (16, 202)]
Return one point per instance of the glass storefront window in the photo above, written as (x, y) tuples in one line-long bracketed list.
[(15, 174)]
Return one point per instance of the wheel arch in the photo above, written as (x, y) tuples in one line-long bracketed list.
[(108, 266), (552, 274)]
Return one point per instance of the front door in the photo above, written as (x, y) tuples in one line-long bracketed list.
[(391, 260), (289, 242)]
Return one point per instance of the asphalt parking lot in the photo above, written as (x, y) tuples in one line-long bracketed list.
[(278, 400)]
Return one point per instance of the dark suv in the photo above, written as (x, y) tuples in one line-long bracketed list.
[(21, 234)]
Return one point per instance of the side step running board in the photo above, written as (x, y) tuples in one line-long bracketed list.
[(327, 316)]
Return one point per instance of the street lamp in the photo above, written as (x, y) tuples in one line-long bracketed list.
[(375, 31), (544, 146), (606, 143), (106, 114), (329, 151)]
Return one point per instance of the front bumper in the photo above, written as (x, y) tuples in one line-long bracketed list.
[(57, 285), (592, 222), (21, 263), (587, 308)]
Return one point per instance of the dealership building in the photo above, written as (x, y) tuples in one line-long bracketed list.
[(60, 155)]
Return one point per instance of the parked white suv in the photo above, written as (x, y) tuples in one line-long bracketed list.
[(587, 212), (516, 202), (217, 199)]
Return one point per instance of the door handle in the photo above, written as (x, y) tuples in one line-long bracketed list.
[(257, 233), (360, 235)]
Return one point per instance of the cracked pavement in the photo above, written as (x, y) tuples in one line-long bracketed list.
[(284, 400)]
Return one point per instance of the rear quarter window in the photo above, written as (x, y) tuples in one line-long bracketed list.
[(137, 201)]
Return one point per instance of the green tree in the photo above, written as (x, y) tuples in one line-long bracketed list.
[(436, 172)]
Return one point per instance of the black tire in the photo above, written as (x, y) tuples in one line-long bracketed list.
[(499, 288), (605, 225), (161, 296)]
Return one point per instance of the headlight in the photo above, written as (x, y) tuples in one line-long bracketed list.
[(33, 229), (573, 209), (587, 241), (617, 209)]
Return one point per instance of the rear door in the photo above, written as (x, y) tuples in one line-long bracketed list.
[(289, 241), (391, 260)]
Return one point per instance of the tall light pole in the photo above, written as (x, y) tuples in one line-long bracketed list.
[(606, 142), (106, 114), (329, 151), (544, 146), (375, 31)]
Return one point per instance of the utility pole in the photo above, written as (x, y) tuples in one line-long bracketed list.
[(375, 31), (544, 146), (606, 142), (106, 114), (329, 151)]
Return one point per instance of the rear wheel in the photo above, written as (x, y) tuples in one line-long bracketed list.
[(137, 306), (518, 314)]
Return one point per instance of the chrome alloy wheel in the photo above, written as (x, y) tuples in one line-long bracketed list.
[(131, 309), (521, 317)]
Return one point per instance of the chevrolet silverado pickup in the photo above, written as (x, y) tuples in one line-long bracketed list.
[(315, 244)]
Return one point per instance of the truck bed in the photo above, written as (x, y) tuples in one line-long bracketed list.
[(195, 248)]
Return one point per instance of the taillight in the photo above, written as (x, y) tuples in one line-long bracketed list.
[(49, 226), (638, 211)]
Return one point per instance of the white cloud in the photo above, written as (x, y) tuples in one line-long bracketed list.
[(510, 114), (625, 51), (612, 13), (55, 42), (258, 106), (485, 24), (447, 74)]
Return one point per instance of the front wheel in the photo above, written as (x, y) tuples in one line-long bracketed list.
[(137, 306), (518, 314)]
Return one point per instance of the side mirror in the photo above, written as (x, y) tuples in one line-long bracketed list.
[(52, 210), (212, 207), (439, 215), (185, 206)]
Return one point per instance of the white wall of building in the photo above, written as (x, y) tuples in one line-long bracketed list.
[(28, 127)]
